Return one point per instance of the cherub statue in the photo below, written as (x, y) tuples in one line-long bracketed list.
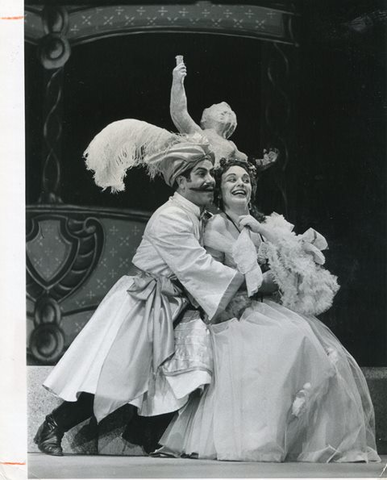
[(217, 124)]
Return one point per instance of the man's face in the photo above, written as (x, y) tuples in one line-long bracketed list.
[(199, 187)]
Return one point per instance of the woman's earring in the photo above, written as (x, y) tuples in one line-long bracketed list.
[(249, 206)]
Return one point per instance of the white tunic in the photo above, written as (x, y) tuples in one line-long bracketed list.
[(119, 351)]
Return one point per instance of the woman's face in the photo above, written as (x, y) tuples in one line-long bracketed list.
[(235, 188)]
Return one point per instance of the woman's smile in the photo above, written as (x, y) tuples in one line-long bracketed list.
[(236, 188), (239, 191)]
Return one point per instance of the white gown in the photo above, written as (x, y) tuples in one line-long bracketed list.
[(284, 389)]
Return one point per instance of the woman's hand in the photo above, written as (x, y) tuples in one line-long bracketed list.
[(257, 227), (251, 222)]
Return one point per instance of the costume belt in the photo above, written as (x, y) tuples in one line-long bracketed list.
[(143, 342), (159, 291)]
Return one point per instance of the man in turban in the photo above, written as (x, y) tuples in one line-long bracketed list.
[(118, 357)]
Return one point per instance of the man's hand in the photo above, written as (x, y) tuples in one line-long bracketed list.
[(179, 73)]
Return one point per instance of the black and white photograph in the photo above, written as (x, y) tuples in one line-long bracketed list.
[(205, 239)]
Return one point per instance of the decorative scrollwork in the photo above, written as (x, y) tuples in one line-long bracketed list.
[(291, 26), (54, 48), (83, 240), (89, 23), (54, 51), (86, 239), (47, 310), (52, 134), (47, 343), (278, 110), (55, 19)]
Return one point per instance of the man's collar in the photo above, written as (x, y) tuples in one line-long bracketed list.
[(187, 204)]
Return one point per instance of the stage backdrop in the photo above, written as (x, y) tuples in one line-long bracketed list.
[(319, 98)]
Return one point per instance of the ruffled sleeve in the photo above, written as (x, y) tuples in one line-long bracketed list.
[(245, 256), (219, 242)]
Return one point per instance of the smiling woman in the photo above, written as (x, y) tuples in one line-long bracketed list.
[(282, 383), (237, 184), (236, 188)]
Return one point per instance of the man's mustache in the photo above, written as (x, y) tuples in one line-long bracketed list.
[(202, 189)]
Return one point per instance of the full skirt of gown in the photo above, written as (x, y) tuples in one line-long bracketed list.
[(284, 389)]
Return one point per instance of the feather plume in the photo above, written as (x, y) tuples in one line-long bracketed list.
[(123, 145)]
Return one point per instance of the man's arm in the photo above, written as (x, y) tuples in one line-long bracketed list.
[(178, 106), (208, 281)]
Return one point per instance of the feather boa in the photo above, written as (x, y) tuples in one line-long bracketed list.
[(305, 286)]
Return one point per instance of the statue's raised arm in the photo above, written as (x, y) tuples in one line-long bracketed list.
[(218, 121), (178, 106)]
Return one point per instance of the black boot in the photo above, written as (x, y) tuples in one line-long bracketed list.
[(63, 418), (147, 431), (49, 437)]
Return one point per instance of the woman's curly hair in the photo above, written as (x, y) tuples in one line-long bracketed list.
[(225, 165)]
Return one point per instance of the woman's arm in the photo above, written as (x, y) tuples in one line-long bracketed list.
[(216, 238)]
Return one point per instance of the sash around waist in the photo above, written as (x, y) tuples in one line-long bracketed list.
[(144, 340), (144, 282)]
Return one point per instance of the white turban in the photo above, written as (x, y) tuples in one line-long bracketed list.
[(129, 143), (180, 158)]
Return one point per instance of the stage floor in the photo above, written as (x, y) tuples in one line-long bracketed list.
[(89, 466)]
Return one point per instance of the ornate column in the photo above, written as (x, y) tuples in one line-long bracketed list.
[(62, 250), (54, 51), (279, 118)]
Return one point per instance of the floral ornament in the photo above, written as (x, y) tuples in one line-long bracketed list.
[(269, 158)]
